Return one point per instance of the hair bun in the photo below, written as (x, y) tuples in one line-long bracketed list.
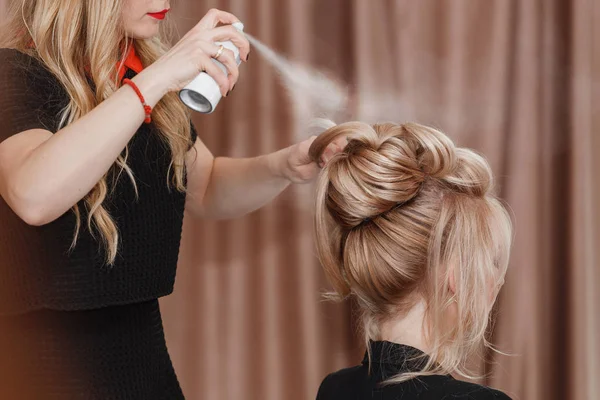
[(472, 174), (376, 171), (382, 166), (435, 152)]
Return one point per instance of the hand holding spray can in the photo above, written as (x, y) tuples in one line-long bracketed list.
[(203, 93)]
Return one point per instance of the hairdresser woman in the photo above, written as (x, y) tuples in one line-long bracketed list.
[(98, 160)]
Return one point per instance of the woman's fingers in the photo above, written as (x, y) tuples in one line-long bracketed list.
[(226, 58), (224, 33), (214, 17), (203, 36), (329, 153), (207, 65), (341, 142)]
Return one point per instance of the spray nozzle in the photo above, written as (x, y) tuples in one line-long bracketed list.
[(239, 26)]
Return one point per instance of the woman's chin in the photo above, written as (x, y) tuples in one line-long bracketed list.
[(145, 32)]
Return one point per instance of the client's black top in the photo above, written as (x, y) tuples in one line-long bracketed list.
[(63, 309), (389, 359)]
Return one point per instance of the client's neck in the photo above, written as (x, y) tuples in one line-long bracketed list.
[(407, 329)]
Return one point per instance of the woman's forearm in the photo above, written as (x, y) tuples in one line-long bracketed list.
[(60, 171), (240, 186)]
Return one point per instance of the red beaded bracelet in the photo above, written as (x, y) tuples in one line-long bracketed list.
[(147, 108)]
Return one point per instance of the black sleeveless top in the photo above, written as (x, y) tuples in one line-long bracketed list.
[(37, 269)]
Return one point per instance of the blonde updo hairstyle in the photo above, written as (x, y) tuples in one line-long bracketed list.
[(399, 210)]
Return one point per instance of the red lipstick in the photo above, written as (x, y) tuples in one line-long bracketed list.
[(159, 15)]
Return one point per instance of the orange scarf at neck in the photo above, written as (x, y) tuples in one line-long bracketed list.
[(132, 62)]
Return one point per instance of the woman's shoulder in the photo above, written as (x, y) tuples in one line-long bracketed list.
[(467, 390), (32, 97), (352, 381), (442, 386), (24, 71), (12, 57), (8, 54), (14, 62), (342, 383)]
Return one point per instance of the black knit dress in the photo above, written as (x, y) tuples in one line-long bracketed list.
[(71, 327)]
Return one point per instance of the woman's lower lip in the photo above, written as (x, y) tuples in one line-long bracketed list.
[(157, 15)]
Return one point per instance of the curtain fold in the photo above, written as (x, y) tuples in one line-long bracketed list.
[(584, 222)]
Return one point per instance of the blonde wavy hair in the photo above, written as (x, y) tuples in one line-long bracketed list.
[(80, 40), (394, 210)]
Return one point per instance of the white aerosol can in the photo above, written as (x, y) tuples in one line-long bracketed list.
[(203, 93)]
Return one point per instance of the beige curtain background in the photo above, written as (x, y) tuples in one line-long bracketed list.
[(517, 80)]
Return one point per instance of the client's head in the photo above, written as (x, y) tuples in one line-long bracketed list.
[(407, 224)]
